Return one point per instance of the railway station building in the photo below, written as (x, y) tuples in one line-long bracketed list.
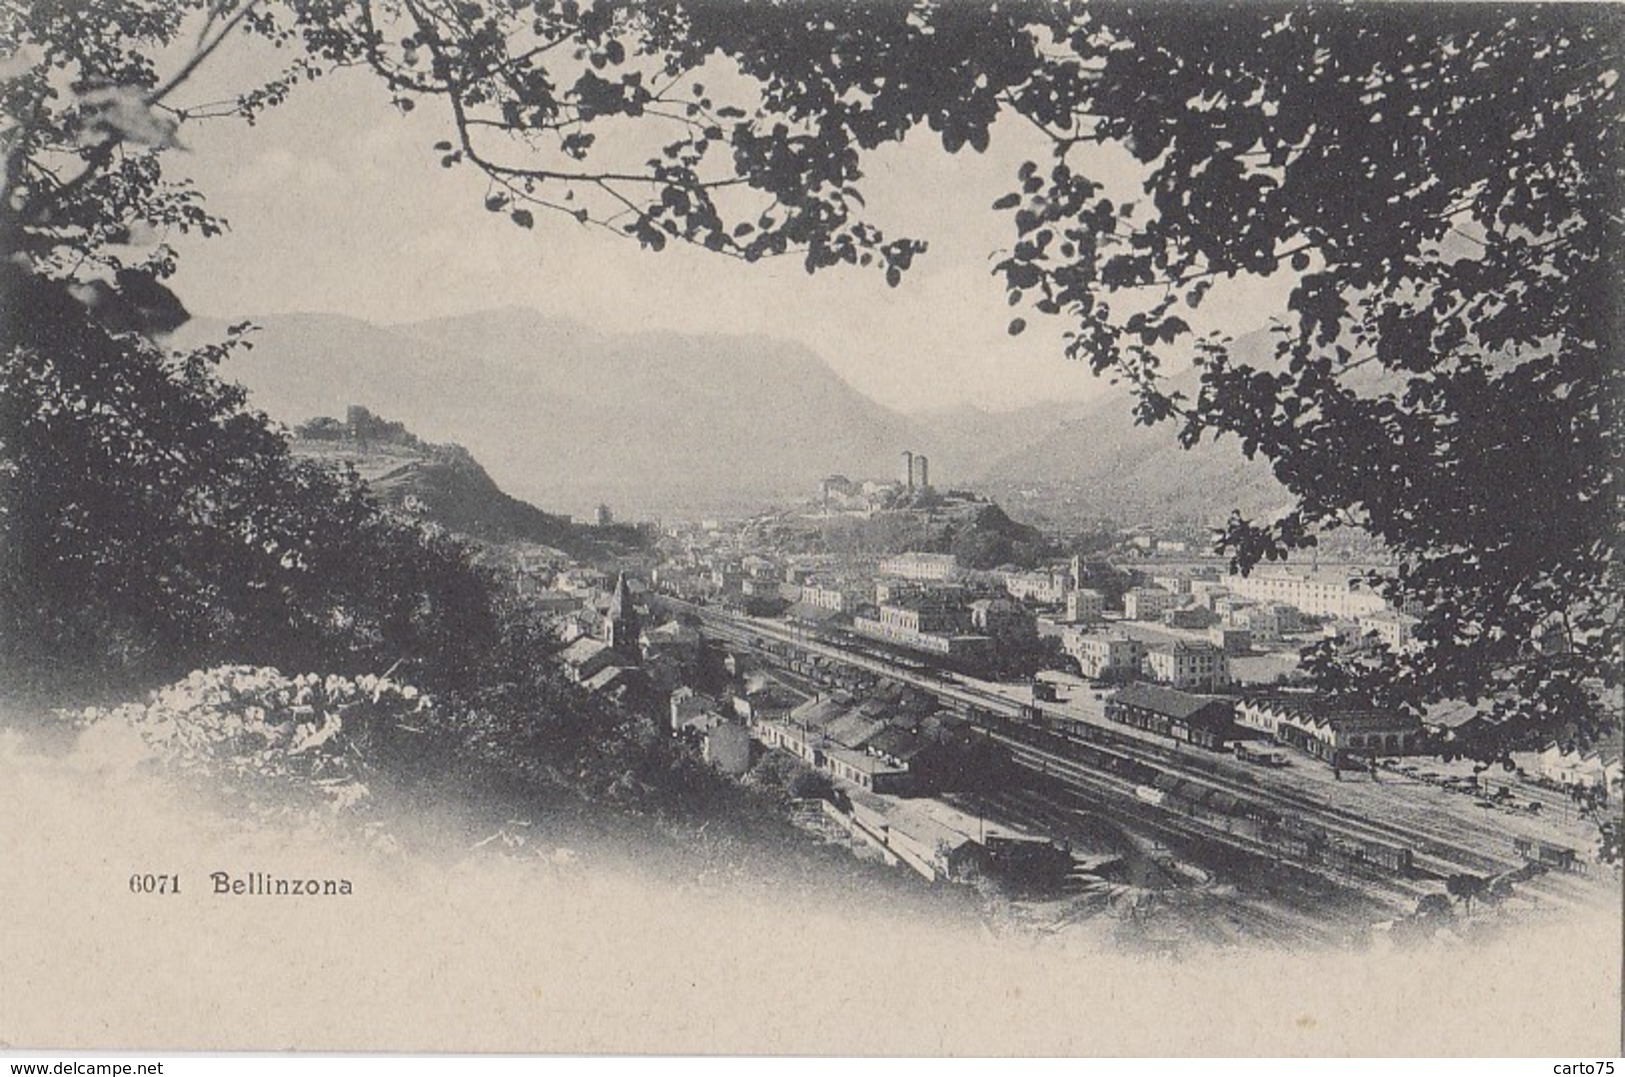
[(1327, 730), (1204, 721)]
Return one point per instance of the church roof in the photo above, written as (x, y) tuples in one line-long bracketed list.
[(620, 603)]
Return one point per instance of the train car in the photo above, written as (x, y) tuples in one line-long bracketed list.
[(1394, 858), (1549, 855), (1262, 755), (1132, 769), (1297, 846), (1246, 826), (1260, 813)]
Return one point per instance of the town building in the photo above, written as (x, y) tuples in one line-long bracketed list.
[(1188, 665), (1265, 620), (876, 746), (1204, 721), (669, 637), (1232, 641), (1189, 617), (923, 622), (821, 596), (1001, 618), (1147, 603), (1388, 627), (921, 566), (840, 594), (1045, 588), (1583, 768), (1319, 594), (686, 704), (1330, 731), (586, 657), (614, 681), (921, 612), (913, 838), (1084, 605), (801, 732), (761, 705), (1104, 657), (891, 590), (865, 771), (556, 602)]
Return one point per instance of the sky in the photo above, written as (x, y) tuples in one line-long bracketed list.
[(338, 203)]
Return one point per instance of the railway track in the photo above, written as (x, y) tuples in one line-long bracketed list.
[(1391, 891), (1435, 850)]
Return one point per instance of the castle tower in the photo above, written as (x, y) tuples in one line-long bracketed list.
[(908, 466), (925, 472), (621, 627)]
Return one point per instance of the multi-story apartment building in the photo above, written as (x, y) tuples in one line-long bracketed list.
[(921, 566), (924, 622), (1044, 587), (1147, 603), (1085, 604), (1265, 620), (1320, 594), (1174, 585), (1188, 665), (1390, 627), (1102, 656), (824, 597)]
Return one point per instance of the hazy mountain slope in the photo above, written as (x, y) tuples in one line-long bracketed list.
[(1100, 463), (565, 416), (963, 441), (668, 412)]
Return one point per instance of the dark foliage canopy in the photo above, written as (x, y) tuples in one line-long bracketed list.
[(149, 524)]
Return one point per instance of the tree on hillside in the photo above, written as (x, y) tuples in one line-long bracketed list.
[(149, 522), (1434, 190)]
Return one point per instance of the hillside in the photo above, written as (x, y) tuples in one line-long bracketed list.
[(1102, 466), (444, 484), (1098, 463), (964, 440)]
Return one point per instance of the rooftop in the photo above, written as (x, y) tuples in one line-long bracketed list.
[(1169, 701)]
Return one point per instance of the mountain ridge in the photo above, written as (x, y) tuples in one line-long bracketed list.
[(654, 421)]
